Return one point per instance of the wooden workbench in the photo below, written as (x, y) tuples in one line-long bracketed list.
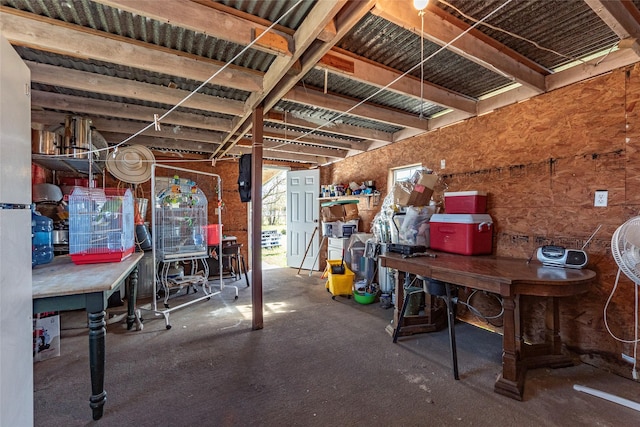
[(508, 278)]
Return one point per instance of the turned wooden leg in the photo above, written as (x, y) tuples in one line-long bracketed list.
[(97, 357), (133, 294)]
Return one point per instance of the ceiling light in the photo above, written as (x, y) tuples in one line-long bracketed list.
[(420, 4)]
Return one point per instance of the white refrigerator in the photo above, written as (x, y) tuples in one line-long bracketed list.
[(16, 328)]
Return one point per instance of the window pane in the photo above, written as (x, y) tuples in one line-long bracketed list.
[(404, 174)]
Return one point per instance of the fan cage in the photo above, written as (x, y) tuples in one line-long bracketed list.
[(625, 252)]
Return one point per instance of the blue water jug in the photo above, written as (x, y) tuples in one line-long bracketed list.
[(41, 239)]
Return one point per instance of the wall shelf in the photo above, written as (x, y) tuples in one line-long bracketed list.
[(358, 197), (67, 164)]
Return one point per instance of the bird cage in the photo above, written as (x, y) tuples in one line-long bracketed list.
[(180, 221), (101, 225)]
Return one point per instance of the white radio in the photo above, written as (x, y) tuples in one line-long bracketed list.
[(557, 256)]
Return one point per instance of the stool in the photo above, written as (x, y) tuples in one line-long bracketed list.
[(442, 290), (234, 256)]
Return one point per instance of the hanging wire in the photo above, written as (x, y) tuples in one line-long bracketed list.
[(156, 121), (391, 83)]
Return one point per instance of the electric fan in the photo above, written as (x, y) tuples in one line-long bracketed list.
[(625, 248)]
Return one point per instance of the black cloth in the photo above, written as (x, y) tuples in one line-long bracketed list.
[(244, 178)]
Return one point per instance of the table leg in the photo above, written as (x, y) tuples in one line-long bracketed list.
[(399, 290), (553, 325), (133, 294), (511, 382), (97, 357)]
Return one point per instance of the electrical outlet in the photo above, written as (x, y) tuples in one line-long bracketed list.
[(600, 199), (443, 163)]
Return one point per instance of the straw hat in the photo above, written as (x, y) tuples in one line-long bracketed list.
[(131, 164)]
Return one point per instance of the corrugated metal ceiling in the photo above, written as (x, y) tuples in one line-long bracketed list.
[(382, 41), (549, 34)]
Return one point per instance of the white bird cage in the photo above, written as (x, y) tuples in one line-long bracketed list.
[(101, 225), (180, 221)]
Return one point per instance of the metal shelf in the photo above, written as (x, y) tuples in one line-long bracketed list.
[(67, 164)]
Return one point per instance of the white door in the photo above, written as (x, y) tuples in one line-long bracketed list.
[(303, 211)]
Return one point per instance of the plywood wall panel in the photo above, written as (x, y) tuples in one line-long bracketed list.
[(541, 162)]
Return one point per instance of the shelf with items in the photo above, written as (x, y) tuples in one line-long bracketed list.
[(81, 150), (68, 164), (372, 199)]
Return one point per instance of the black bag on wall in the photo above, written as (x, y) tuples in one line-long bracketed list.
[(244, 178)]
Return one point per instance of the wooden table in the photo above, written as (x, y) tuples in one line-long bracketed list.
[(509, 278), (62, 285)]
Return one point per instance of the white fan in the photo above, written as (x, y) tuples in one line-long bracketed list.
[(625, 248)]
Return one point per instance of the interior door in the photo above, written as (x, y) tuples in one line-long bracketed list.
[(303, 211)]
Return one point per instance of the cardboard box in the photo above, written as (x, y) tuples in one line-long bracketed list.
[(332, 213), (464, 234), (407, 195), (415, 192), (339, 211), (351, 212), (402, 193), (46, 336)]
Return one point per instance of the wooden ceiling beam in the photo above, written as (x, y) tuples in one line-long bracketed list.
[(617, 16), (95, 107), (238, 150), (76, 105), (442, 28), (365, 71), (50, 35), (273, 143), (342, 104), (319, 16), (352, 13), (314, 140), (338, 129), (91, 82), (197, 17), (169, 144), (49, 118)]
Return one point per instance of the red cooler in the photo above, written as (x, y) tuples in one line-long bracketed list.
[(465, 202), (465, 234)]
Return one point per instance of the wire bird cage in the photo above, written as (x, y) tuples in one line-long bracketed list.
[(101, 225), (180, 221)]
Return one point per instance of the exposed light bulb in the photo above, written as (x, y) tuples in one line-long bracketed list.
[(420, 4)]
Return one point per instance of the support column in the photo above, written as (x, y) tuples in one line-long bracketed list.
[(256, 218)]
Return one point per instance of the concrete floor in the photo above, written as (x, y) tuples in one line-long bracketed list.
[(317, 362)]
